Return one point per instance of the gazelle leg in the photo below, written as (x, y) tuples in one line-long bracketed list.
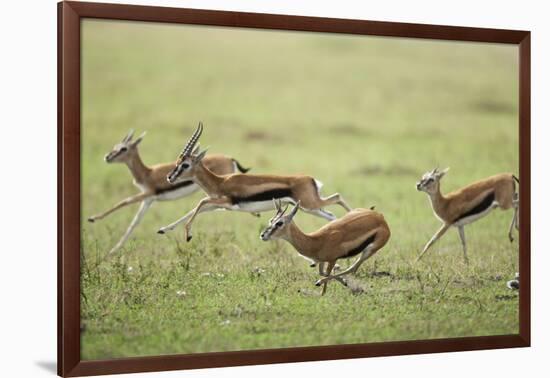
[(337, 199), (463, 240), (323, 274), (353, 268), (321, 213), (137, 218), (206, 204), (328, 271), (125, 202), (516, 208), (434, 238), (173, 225), (513, 223)]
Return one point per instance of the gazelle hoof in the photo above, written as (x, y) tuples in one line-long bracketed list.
[(511, 238), (312, 265), (162, 232), (318, 283), (189, 237), (91, 219)]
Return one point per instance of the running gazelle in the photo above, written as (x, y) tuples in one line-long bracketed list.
[(248, 193), (470, 203), (152, 180), (361, 231)]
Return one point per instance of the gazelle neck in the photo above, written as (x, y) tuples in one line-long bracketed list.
[(302, 242), (207, 180), (439, 202), (136, 166)]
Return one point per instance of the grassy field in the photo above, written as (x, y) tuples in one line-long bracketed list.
[(366, 116)]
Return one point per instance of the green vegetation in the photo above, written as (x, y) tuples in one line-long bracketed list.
[(366, 116)]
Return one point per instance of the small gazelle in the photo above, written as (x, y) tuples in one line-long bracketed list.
[(470, 203), (247, 193), (152, 180), (361, 231)]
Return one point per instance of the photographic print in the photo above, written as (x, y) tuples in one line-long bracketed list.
[(249, 189)]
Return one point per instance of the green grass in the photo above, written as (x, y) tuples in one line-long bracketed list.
[(367, 116)]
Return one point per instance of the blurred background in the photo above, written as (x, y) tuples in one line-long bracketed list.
[(365, 115)]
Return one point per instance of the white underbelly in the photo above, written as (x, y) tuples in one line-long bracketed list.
[(177, 193), (258, 207), (474, 217)]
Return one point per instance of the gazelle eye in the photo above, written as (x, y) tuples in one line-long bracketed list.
[(123, 149), (185, 165), (279, 223)]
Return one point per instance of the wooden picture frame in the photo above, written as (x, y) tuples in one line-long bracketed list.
[(70, 15)]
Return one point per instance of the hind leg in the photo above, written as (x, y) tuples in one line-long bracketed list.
[(336, 198), (368, 252), (463, 241), (321, 213), (516, 206)]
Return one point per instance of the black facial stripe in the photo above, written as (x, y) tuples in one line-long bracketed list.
[(355, 251), (479, 208), (263, 196), (112, 156)]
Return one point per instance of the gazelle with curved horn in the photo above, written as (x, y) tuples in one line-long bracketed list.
[(361, 231), (470, 203), (152, 180), (248, 193)]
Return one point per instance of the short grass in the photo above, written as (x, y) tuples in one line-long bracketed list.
[(367, 116)]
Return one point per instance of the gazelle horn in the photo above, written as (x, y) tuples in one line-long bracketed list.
[(192, 141)]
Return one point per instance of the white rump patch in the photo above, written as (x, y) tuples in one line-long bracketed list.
[(319, 185)]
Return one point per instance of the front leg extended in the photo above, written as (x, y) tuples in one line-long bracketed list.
[(434, 238), (206, 204), (125, 202)]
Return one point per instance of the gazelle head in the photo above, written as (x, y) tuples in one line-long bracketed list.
[(429, 182), (188, 159), (122, 151), (278, 224)]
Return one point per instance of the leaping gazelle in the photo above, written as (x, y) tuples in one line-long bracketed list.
[(361, 231), (248, 193), (470, 203), (152, 180)]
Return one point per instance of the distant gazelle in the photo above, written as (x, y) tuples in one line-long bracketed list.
[(248, 193), (152, 180), (361, 231), (466, 205)]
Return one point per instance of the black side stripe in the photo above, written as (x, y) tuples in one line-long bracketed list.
[(361, 248), (263, 196), (480, 207), (179, 185)]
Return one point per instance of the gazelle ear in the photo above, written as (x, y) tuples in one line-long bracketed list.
[(199, 156), (443, 172), (197, 149), (294, 210), (128, 136), (139, 139)]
